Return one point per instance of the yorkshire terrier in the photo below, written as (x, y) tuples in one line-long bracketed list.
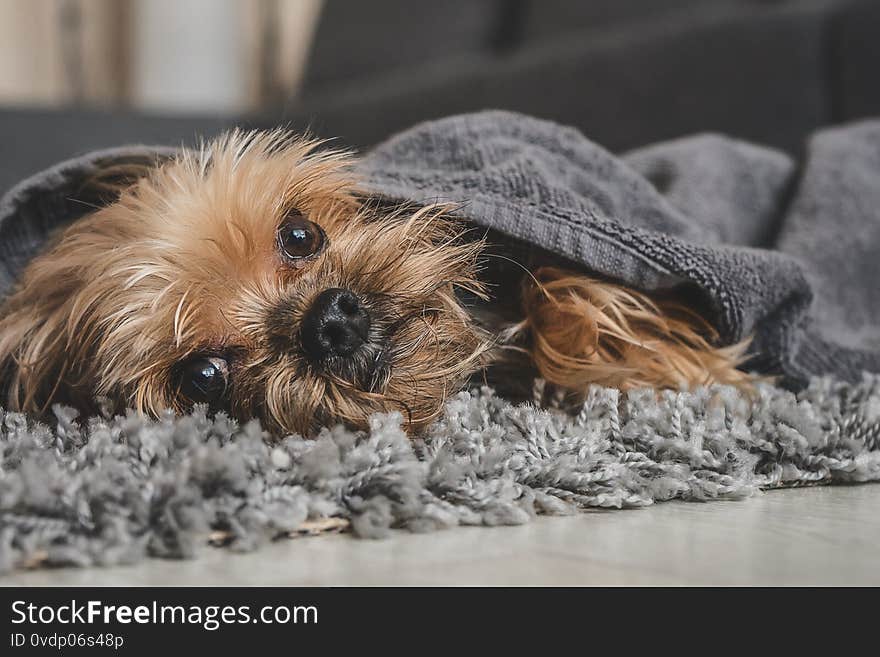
[(251, 275)]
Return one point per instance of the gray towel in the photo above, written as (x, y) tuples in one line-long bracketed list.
[(783, 252)]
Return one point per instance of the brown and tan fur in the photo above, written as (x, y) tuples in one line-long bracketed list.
[(185, 261)]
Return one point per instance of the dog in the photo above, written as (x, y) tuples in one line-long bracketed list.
[(253, 276)]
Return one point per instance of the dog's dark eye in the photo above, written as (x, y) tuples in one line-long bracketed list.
[(300, 239), (203, 379)]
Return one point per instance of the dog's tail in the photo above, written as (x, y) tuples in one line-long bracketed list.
[(582, 331)]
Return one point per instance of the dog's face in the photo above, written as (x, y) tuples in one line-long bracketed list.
[(250, 277)]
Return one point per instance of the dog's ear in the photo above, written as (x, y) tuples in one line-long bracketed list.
[(35, 349), (40, 295)]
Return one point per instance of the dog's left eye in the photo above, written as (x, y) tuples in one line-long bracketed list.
[(300, 239)]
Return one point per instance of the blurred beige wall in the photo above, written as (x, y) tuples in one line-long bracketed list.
[(30, 52), (163, 55)]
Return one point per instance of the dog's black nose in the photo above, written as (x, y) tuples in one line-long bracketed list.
[(335, 325)]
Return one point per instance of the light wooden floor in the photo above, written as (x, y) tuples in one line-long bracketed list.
[(822, 536)]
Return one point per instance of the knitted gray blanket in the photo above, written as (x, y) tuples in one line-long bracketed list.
[(782, 252), (788, 253), (785, 253)]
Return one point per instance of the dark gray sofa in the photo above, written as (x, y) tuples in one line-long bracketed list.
[(626, 72)]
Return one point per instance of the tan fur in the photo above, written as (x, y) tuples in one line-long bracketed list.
[(185, 262), (581, 331)]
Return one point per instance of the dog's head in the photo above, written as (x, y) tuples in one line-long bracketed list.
[(248, 275)]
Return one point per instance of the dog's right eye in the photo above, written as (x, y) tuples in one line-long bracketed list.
[(203, 379)]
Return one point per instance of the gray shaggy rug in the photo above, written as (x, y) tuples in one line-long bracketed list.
[(116, 490)]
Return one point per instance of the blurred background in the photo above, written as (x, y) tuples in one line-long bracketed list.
[(81, 74)]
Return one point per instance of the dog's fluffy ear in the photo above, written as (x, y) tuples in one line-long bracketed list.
[(33, 364), (582, 331), (35, 343)]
